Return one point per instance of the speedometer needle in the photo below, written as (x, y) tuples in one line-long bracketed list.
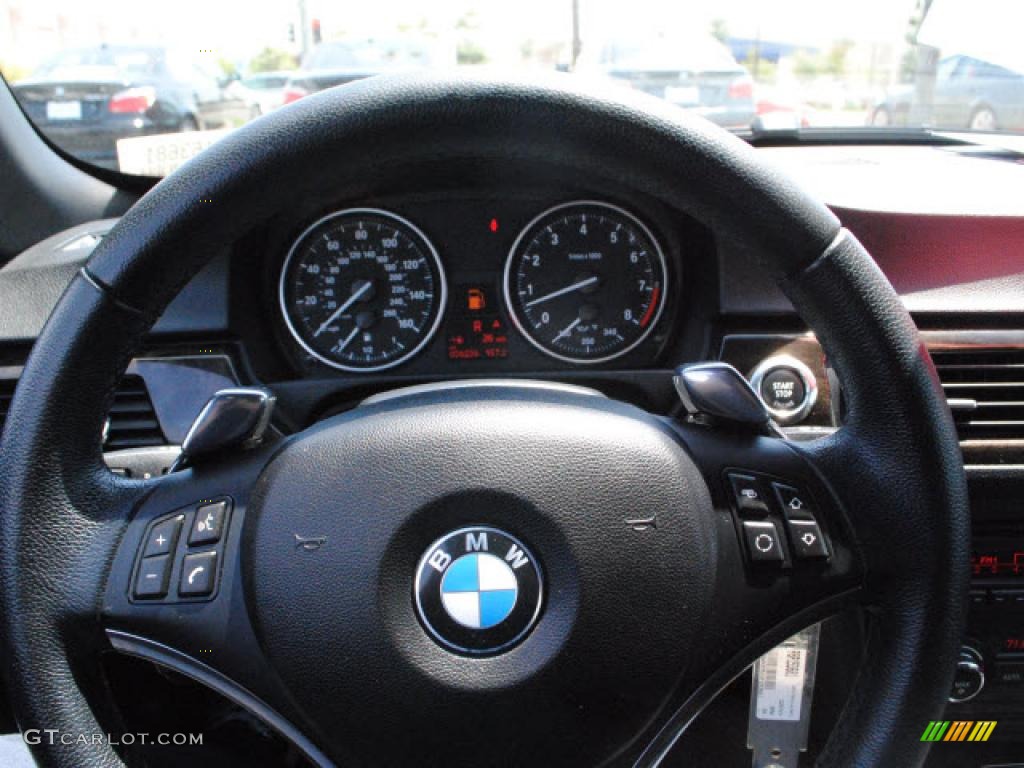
[(563, 291), (340, 348), (337, 313), (567, 330)]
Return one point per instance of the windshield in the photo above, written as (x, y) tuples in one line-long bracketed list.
[(141, 87)]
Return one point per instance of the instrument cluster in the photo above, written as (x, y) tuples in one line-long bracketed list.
[(368, 289)]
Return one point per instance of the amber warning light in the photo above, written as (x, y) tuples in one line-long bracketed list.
[(478, 332), (476, 300)]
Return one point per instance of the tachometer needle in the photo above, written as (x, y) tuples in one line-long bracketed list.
[(563, 291), (337, 313), (340, 348), (567, 330)]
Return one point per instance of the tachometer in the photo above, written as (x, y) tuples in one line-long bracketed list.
[(585, 282), (362, 290)]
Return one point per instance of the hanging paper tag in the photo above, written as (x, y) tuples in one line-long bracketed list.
[(780, 701)]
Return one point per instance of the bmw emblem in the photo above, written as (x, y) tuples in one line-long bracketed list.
[(478, 590)]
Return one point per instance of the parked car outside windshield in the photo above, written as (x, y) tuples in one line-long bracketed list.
[(969, 93), (338, 62), (695, 72), (142, 87), (265, 90), (86, 100)]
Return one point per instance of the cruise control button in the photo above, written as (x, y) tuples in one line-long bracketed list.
[(807, 541), (748, 493), (198, 574), (794, 502), (153, 575), (763, 541), (163, 536), (208, 523)]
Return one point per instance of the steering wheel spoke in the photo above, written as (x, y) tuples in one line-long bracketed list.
[(175, 591), (787, 557)]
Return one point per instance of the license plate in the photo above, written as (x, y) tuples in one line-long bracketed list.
[(63, 110), (679, 94)]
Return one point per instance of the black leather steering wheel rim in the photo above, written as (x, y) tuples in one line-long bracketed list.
[(896, 462)]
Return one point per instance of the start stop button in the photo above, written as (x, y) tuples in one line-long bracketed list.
[(787, 387), (783, 389)]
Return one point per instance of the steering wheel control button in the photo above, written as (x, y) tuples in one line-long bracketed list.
[(208, 523), (807, 540), (796, 505), (154, 573), (763, 541), (163, 536), (198, 574), (478, 590), (748, 493), (787, 387)]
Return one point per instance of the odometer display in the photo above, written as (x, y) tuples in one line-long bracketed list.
[(362, 290), (585, 282)]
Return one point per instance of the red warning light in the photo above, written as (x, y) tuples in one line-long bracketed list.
[(493, 225)]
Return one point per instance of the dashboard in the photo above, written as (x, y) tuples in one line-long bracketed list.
[(524, 273)]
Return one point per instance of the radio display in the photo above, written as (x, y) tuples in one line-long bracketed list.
[(997, 558)]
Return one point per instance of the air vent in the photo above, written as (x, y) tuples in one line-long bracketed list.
[(132, 422), (985, 389)]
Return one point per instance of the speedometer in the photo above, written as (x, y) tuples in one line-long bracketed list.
[(585, 282), (362, 290)]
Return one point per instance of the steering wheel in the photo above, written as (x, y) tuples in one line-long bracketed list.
[(639, 625)]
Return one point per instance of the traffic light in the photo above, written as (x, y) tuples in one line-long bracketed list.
[(291, 33), (316, 31)]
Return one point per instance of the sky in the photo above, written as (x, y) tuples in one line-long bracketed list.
[(986, 29), (239, 28), (808, 22)]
